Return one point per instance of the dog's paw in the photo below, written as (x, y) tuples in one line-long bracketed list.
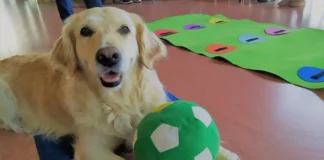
[(12, 126), (120, 121)]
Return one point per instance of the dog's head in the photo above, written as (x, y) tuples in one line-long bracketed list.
[(107, 43)]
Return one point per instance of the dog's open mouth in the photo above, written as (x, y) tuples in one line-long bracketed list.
[(111, 79)]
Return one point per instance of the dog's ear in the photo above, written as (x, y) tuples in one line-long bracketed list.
[(64, 51), (150, 47)]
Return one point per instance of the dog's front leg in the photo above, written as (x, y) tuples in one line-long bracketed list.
[(93, 145)]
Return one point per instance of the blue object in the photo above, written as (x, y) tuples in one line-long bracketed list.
[(311, 74), (65, 7), (171, 96), (62, 149), (247, 38)]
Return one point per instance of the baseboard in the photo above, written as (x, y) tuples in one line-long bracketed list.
[(76, 1)]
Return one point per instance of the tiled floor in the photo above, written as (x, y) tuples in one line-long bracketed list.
[(260, 117)]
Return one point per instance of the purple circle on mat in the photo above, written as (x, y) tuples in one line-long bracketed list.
[(193, 26), (276, 31)]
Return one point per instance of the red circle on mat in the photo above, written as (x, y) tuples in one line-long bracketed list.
[(165, 32), (219, 48)]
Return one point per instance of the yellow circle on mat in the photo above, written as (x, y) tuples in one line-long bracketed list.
[(161, 107), (217, 20)]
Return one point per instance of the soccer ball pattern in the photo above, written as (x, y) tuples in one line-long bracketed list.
[(178, 130)]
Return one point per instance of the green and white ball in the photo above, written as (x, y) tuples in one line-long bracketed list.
[(177, 130)]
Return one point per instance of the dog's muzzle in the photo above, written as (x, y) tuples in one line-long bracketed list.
[(110, 58)]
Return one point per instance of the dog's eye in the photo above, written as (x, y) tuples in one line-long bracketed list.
[(86, 32), (123, 30)]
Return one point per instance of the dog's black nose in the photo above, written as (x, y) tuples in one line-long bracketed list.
[(108, 56)]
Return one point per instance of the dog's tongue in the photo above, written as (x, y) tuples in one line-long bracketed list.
[(110, 78)]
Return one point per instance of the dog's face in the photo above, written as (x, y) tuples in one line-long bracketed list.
[(108, 43)]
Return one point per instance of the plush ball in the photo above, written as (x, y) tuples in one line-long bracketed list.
[(177, 130)]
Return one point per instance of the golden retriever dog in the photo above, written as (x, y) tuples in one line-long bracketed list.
[(97, 83)]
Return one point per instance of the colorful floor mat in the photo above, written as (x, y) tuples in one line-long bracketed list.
[(296, 55)]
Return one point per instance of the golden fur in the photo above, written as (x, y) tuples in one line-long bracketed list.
[(59, 93)]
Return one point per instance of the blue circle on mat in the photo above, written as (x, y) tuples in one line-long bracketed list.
[(306, 74), (249, 39)]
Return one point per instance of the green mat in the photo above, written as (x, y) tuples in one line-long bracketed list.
[(296, 55)]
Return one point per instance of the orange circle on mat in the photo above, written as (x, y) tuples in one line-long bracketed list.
[(164, 32), (219, 48)]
